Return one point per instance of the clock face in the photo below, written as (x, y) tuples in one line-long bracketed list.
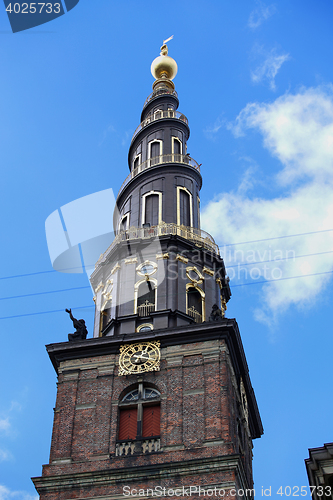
[(139, 358)]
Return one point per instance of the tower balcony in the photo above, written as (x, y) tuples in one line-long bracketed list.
[(159, 115), (197, 236), (159, 91), (160, 160)]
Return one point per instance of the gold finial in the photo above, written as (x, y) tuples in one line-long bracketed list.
[(164, 66)]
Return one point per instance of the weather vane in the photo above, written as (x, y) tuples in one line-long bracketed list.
[(164, 48), (168, 39)]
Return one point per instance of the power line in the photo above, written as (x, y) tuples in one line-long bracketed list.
[(233, 286), (39, 272), (275, 238), (45, 312), (227, 267), (281, 279), (221, 246), (44, 293), (277, 260)]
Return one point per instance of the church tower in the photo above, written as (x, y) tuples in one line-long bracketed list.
[(159, 402)]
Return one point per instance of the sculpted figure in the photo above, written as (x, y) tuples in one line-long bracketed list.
[(216, 314), (80, 326)]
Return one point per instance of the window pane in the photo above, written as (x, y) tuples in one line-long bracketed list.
[(176, 147), (184, 202), (132, 396), (151, 209), (155, 149), (128, 424), (150, 393), (151, 421), (194, 299)]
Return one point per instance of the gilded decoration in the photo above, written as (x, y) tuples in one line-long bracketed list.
[(115, 268), (208, 271), (160, 256), (132, 260), (194, 275), (181, 258), (139, 358)]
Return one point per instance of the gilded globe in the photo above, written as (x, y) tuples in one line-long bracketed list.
[(164, 65)]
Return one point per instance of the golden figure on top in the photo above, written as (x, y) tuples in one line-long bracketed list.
[(164, 66)]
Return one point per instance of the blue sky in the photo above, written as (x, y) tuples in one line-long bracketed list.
[(255, 80)]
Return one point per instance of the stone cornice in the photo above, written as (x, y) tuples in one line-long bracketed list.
[(155, 472)]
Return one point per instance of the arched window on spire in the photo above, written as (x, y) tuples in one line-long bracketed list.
[(155, 150), (195, 302), (152, 208), (145, 296), (176, 146), (184, 207)]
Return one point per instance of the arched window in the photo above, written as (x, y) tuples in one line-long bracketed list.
[(152, 208), (139, 421), (145, 297), (105, 315), (176, 147), (158, 113), (195, 303), (184, 207), (124, 223), (146, 327), (136, 163), (155, 150)]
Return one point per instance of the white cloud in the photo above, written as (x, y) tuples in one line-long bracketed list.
[(5, 455), (268, 69), (4, 424), (7, 494), (298, 130), (260, 14), (211, 131)]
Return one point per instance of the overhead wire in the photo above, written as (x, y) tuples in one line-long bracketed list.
[(276, 238), (233, 286), (221, 246)]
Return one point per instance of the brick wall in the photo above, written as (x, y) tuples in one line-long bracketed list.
[(200, 412)]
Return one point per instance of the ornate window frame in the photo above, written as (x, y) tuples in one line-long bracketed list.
[(144, 325), (143, 211), (136, 292), (146, 263), (150, 144), (138, 156), (179, 188), (173, 139), (203, 298), (123, 217)]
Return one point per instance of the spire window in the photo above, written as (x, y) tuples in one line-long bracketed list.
[(155, 150), (152, 208), (195, 303), (136, 163), (184, 207), (176, 146), (145, 296)]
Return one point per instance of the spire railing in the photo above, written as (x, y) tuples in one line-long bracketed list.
[(160, 160), (159, 115), (158, 92), (199, 237)]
